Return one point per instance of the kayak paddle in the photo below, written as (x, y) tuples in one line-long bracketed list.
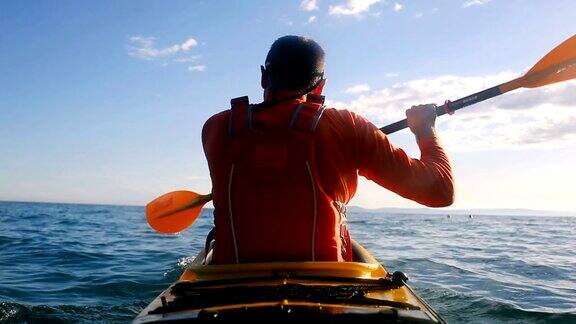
[(558, 65), (175, 211)]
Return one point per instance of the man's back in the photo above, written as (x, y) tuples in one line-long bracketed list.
[(345, 144)]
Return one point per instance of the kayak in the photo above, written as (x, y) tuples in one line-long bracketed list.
[(326, 292)]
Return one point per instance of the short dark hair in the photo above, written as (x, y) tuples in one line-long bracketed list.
[(294, 63)]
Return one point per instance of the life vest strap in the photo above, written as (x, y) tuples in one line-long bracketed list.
[(240, 115), (307, 116)]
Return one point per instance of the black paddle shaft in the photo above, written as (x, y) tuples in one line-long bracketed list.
[(449, 107)]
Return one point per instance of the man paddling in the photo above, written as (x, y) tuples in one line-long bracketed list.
[(283, 170)]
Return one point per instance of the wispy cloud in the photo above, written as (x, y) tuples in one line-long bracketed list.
[(359, 88), (549, 131), (311, 19), (145, 48), (197, 68), (352, 7), (391, 75), (418, 15), (187, 59), (530, 117), (309, 5), (474, 3), (285, 21), (398, 6)]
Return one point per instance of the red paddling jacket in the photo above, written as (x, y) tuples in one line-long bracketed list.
[(282, 176)]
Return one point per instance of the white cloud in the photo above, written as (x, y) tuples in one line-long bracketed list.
[(352, 7), (524, 118), (188, 44), (145, 48), (359, 88), (187, 59), (418, 15), (398, 7), (474, 3), (309, 5), (391, 75), (311, 19), (197, 68)]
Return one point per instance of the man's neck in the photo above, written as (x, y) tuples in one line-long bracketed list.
[(281, 95)]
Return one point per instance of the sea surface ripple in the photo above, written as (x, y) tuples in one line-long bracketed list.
[(95, 263)]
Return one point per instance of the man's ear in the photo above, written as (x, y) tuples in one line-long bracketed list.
[(264, 77), (319, 88)]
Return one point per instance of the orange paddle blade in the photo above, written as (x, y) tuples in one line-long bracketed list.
[(175, 211), (558, 65)]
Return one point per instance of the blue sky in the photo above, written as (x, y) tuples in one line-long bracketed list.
[(103, 102)]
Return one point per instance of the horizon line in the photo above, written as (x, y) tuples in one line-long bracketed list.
[(422, 208)]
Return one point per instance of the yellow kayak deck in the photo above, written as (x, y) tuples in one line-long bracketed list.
[(360, 291)]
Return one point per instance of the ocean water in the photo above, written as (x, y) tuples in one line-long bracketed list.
[(92, 263)]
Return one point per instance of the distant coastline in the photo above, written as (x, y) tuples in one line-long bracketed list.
[(388, 210), (466, 212)]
